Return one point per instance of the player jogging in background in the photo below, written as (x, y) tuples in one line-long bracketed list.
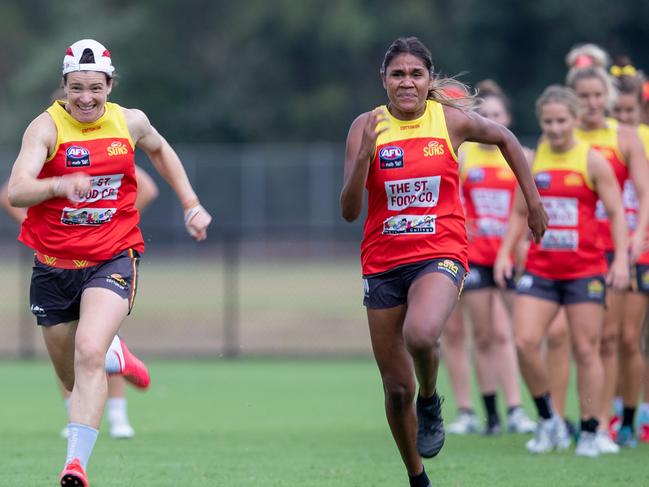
[(566, 269), (414, 249), (623, 149), (488, 186), (76, 174), (627, 110)]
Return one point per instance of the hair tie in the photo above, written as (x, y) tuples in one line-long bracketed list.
[(627, 70), (583, 61), (645, 91)]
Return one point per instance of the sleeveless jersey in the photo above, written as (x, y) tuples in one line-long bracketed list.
[(569, 249), (414, 209), (605, 141), (643, 133), (104, 220), (488, 186)]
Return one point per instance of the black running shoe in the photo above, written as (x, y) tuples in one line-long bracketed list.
[(430, 427)]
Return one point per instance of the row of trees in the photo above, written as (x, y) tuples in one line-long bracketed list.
[(293, 70)]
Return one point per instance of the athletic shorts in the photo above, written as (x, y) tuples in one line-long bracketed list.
[(55, 293), (563, 291), (390, 288), (482, 277), (638, 273)]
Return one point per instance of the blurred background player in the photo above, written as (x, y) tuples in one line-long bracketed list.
[(627, 109), (566, 269), (487, 187), (622, 148), (414, 250), (78, 158)]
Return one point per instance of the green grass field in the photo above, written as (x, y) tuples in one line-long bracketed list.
[(269, 423)]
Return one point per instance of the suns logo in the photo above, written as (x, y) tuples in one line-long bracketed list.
[(117, 148), (434, 148)]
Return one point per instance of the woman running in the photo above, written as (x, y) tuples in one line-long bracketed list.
[(414, 250)]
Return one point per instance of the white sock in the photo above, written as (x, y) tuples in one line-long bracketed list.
[(81, 441), (117, 410), (115, 357)]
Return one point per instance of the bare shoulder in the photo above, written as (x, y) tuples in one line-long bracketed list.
[(597, 163), (356, 128), (42, 129), (137, 122), (457, 118)]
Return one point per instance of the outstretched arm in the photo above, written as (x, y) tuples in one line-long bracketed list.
[(471, 126), (168, 164)]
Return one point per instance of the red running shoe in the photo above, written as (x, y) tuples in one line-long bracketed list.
[(73, 475), (643, 434), (614, 426), (134, 370)]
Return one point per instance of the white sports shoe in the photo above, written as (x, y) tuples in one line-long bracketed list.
[(121, 431), (542, 441), (464, 424), (550, 434), (519, 422), (562, 435), (587, 445), (605, 444)]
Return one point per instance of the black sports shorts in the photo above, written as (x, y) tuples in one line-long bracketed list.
[(55, 293)]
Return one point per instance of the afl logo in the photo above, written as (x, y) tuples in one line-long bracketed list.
[(76, 156), (543, 180), (391, 157)]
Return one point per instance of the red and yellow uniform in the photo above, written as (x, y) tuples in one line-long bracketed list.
[(104, 221), (569, 249), (488, 185), (414, 209), (605, 141)]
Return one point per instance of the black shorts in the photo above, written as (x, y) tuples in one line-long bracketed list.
[(638, 273), (55, 294), (390, 288), (482, 277), (563, 291)]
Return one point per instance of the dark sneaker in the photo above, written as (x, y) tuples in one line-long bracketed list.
[(430, 427)]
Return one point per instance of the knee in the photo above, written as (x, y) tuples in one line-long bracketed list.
[(630, 344), (398, 396), (89, 357), (585, 352), (483, 342), (558, 338), (525, 346), (421, 339), (609, 342)]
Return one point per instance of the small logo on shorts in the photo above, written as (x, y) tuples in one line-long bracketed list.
[(117, 280), (595, 289), (449, 266), (525, 282), (366, 288), (37, 310), (645, 280), (76, 156)]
